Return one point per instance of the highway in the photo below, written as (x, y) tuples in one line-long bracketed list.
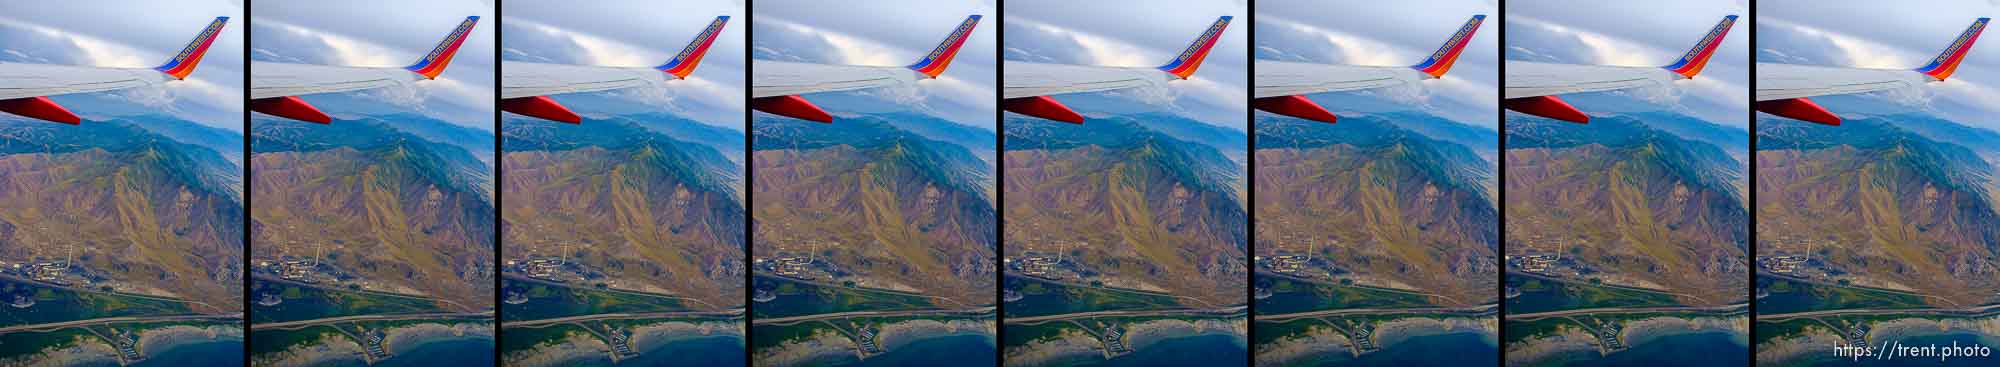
[(108, 320), (851, 314), (1125, 313), (1619, 310), (1482, 309), (621, 316), (290, 325), (1973, 311)]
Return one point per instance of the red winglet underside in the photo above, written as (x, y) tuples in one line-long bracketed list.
[(1799, 108), (1547, 106), (791, 106), (1294, 106), (290, 107), (1043, 107), (40, 108), (540, 107)]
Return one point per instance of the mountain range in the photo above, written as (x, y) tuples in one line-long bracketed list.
[(1385, 197), (385, 202), (1632, 201), (1151, 210), (157, 213), (642, 206), (1907, 200), (899, 209)]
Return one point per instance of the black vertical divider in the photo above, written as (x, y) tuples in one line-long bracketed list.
[(1500, 187), (999, 188), (749, 177), (244, 272), (1250, 204), (499, 161)]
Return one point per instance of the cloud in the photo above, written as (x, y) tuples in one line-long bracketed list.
[(1603, 49), (1350, 49), (1853, 51)]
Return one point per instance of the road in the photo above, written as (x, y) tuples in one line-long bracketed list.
[(1125, 313), (290, 325), (852, 314), (619, 316), (1617, 310), (1973, 311), (1482, 309), (108, 320)]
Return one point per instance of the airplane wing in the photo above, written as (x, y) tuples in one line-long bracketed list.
[(775, 86), (275, 87), (1531, 87), (1782, 88), (24, 88), (525, 86), (1282, 86), (1026, 85)]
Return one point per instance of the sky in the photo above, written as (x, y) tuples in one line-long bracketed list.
[(1871, 34), (386, 33), (1142, 34), (1642, 33), (888, 33), (134, 34), (1392, 33), (637, 33)]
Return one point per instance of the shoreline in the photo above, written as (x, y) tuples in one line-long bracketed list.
[(826, 343), (1322, 341)]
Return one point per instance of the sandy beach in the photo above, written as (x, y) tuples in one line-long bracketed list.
[(1069, 344), (824, 343)]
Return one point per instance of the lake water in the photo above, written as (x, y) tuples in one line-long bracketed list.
[(217, 353), (701, 351), (448, 352), (1716, 348)]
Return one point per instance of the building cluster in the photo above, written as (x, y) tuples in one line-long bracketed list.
[(621, 341), (127, 347), (1044, 261)]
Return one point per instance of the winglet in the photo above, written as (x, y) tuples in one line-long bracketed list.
[(433, 63), (184, 62), (1441, 61), (683, 63), (940, 57), (1947, 61), (1697, 57), (1184, 65)]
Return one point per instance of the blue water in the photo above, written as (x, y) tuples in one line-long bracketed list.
[(1941, 340), (217, 353), (1207, 350), (1450, 349), (703, 351), (474, 351), (1706, 348)]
